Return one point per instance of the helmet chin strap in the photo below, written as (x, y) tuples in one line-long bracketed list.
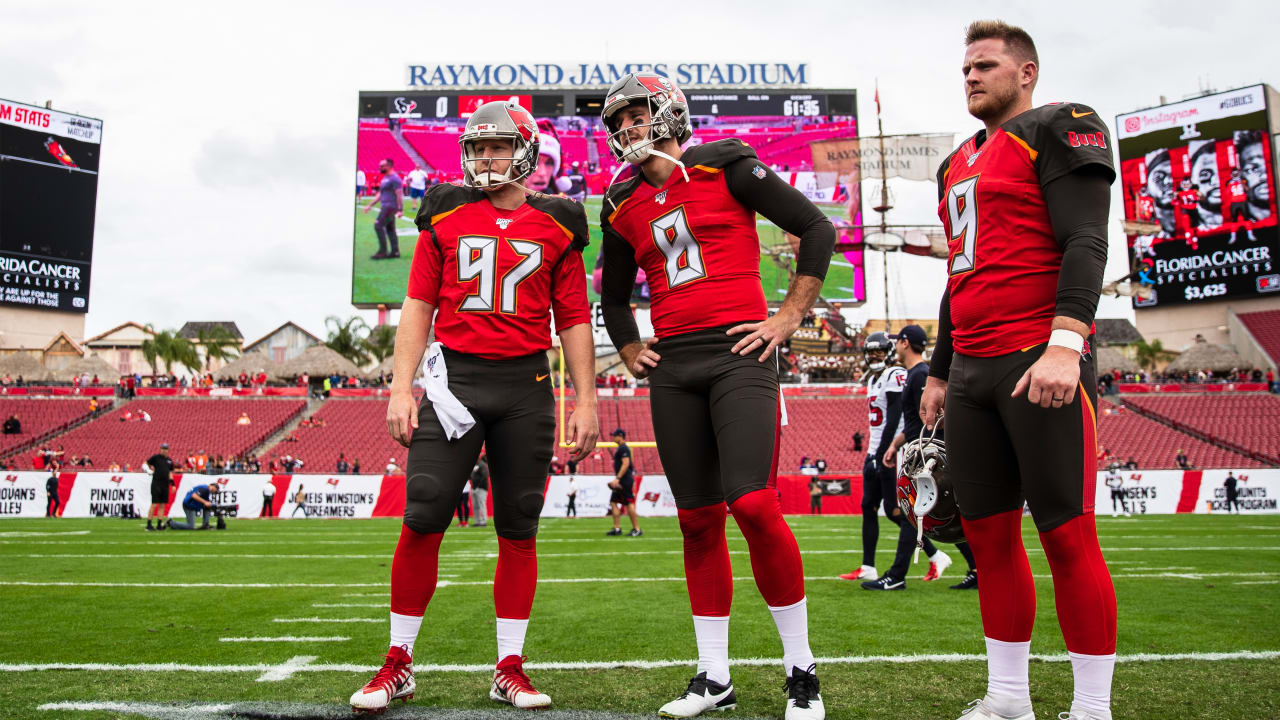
[(651, 151)]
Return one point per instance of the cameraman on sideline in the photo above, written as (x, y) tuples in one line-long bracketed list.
[(200, 495)]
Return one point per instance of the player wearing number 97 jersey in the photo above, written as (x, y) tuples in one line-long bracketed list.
[(494, 266), (1025, 205), (689, 219)]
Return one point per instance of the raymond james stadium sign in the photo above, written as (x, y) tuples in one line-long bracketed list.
[(583, 75)]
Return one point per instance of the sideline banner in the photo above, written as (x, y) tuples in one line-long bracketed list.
[(654, 498), (22, 494), (592, 499), (1145, 492), (1258, 491)]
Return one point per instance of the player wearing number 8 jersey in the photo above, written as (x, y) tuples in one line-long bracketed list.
[(495, 266), (689, 220), (1025, 204)]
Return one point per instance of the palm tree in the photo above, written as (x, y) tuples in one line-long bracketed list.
[(381, 342), (348, 338), (1149, 354), (218, 343), (171, 348)]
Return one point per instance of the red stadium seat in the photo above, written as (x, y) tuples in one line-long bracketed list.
[(40, 416), (1265, 328), (1250, 423)]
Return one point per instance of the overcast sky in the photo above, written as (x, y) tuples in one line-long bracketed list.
[(229, 128)]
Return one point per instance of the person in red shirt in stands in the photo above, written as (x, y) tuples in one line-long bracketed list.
[(1187, 202), (493, 262)]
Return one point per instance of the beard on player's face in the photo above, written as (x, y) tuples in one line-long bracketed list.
[(993, 96)]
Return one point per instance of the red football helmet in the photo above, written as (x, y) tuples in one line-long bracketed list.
[(925, 493)]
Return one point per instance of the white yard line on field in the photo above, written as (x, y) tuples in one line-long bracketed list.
[(348, 605), (304, 664), (328, 620), (287, 638)]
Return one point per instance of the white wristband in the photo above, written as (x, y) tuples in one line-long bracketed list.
[(1067, 339)]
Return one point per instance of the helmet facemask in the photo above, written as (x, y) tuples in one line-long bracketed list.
[(520, 167), (661, 125)]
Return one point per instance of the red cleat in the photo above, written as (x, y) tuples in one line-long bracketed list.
[(393, 681), (512, 686)]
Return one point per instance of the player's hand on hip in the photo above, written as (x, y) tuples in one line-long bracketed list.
[(1053, 379), (932, 400), (402, 417), (367, 208), (640, 357), (584, 431), (764, 336)]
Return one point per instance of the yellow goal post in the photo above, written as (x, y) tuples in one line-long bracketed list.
[(561, 400)]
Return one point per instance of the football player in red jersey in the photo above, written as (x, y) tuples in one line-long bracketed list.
[(1024, 203), (1187, 202), (688, 219), (1238, 199), (493, 267)]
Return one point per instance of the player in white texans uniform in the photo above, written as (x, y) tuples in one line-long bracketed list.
[(884, 382)]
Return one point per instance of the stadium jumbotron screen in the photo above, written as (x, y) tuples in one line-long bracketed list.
[(49, 191), (1199, 183), (418, 132)]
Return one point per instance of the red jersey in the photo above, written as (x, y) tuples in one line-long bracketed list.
[(1004, 258), (496, 277), (1146, 207), (695, 242), (1236, 192), (1187, 200)]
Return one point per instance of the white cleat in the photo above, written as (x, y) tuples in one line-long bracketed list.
[(1084, 715), (512, 686), (938, 564), (865, 572), (394, 681), (804, 702), (702, 695), (978, 710)]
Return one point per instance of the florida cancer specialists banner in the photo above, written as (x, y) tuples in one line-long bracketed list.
[(99, 494)]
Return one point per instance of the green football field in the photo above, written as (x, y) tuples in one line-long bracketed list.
[(102, 620), (385, 281)]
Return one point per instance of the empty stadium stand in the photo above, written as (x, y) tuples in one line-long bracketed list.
[(356, 427), (375, 144), (1265, 328), (1154, 445), (41, 417), (1249, 424), (187, 424)]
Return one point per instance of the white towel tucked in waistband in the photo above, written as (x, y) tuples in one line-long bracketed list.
[(454, 416)]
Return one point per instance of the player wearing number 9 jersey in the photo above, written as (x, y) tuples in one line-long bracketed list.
[(1025, 204), (689, 220), (495, 265)]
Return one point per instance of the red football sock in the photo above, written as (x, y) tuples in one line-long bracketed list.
[(516, 578), (707, 571), (1006, 591), (1082, 588), (413, 571), (775, 557)]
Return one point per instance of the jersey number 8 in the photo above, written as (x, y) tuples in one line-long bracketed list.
[(680, 248), (962, 207), (478, 257)]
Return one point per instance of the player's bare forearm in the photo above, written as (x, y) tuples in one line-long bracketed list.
[(580, 357), (411, 343), (801, 295), (1062, 322), (764, 337)]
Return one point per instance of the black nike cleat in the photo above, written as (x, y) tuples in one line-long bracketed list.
[(885, 582), (970, 582)]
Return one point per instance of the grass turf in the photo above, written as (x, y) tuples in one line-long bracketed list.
[(385, 281), (1186, 584)]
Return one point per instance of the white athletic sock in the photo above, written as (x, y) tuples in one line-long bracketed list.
[(1008, 688), (1093, 683), (793, 628), (404, 631), (713, 647), (511, 637)]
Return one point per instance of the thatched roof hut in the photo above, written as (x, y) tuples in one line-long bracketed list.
[(88, 365), (24, 365), (1207, 356), (250, 364), (319, 360), (1110, 358)]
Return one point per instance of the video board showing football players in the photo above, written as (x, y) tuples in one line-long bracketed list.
[(1200, 199)]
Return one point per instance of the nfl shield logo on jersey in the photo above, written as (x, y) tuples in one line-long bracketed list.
[(758, 172), (661, 198), (504, 222)]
